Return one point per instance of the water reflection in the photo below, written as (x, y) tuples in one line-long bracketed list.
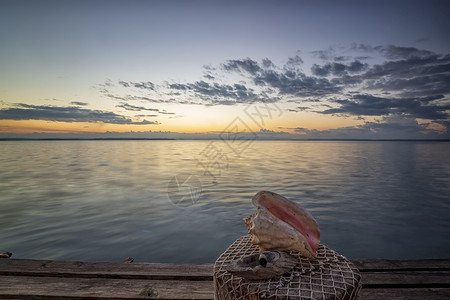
[(106, 200)]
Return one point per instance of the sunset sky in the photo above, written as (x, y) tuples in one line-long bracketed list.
[(195, 69)]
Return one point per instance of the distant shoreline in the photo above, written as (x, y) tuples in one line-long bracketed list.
[(172, 139)]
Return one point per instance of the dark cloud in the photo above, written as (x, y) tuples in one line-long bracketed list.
[(248, 65), (414, 73), (166, 112), (124, 83), (299, 108), (293, 62), (407, 72), (397, 52), (409, 67), (268, 83), (415, 76), (341, 58), (267, 63), (144, 85), (263, 130), (143, 116), (324, 54), (135, 108), (392, 127), (368, 105), (130, 97), (322, 71), (346, 81), (288, 81), (209, 68), (65, 114), (365, 48), (393, 52), (356, 67), (148, 85), (295, 83), (77, 103), (338, 69), (153, 100), (115, 97), (404, 82), (215, 93), (363, 57), (108, 83)]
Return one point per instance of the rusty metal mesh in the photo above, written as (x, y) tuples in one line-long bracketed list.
[(330, 276)]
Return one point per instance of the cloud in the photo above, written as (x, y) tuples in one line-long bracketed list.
[(116, 97), (215, 93), (287, 81), (124, 83), (166, 112), (365, 48), (299, 108), (322, 71), (143, 116), (248, 65), (267, 63), (65, 114), (148, 85), (389, 127), (397, 52), (327, 54), (338, 69), (408, 76), (359, 80), (77, 103), (130, 107), (412, 76), (295, 83), (368, 105), (293, 62), (144, 85)]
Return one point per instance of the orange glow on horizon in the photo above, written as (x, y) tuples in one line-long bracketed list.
[(287, 123), (42, 126)]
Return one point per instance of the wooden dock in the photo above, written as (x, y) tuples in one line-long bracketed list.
[(45, 279)]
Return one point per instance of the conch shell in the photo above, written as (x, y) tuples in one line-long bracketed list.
[(280, 224)]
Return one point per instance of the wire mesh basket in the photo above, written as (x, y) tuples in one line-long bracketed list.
[(330, 276)]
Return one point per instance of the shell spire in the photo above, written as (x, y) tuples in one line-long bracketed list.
[(282, 224)]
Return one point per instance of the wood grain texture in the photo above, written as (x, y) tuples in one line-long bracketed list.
[(106, 269), (406, 294), (404, 264), (44, 279), (102, 288)]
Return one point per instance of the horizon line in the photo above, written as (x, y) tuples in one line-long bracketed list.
[(213, 139)]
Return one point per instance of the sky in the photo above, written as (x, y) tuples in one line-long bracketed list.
[(199, 69)]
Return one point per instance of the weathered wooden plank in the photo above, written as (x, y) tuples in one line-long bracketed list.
[(406, 264), (106, 270), (19, 278), (412, 278), (406, 294), (20, 287), (195, 271)]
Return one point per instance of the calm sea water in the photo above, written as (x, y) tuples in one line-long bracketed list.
[(183, 201)]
